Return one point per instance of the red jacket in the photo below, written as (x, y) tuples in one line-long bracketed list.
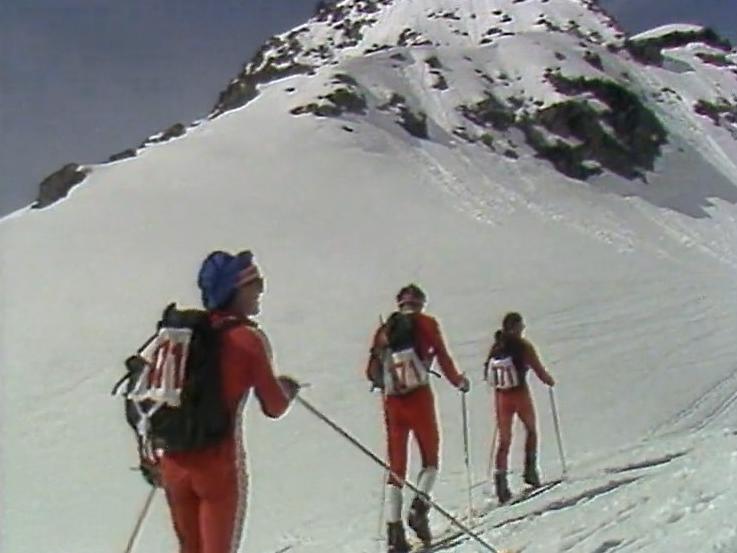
[(245, 363), (430, 346)]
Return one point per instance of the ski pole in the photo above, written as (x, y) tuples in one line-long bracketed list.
[(556, 422), (491, 452), (307, 405), (139, 522), (466, 447), (384, 475), (489, 472), (380, 530)]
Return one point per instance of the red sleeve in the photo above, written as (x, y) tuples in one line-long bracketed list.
[(256, 350), (533, 361), (441, 353)]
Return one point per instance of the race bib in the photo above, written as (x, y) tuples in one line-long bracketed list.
[(405, 372), (503, 374), (166, 360)]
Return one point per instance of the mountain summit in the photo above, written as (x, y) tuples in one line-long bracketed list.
[(351, 29), (558, 75), (555, 79)]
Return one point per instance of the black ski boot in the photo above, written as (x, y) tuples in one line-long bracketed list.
[(395, 539), (531, 476), (418, 521), (502, 488)]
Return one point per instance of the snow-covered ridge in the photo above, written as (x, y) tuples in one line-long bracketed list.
[(449, 71), (576, 101), (555, 79), (649, 47), (664, 30), (355, 28)]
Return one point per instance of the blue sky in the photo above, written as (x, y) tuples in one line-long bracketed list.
[(82, 79)]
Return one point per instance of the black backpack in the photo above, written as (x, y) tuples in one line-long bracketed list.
[(403, 370), (173, 394), (400, 331)]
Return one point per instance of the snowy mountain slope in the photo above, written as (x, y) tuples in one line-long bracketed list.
[(628, 289), (610, 300)]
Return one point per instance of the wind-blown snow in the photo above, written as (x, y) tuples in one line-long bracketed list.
[(628, 289)]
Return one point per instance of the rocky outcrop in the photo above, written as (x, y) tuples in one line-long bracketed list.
[(243, 88), (722, 112), (720, 60), (412, 121), (285, 55), (650, 50), (58, 184), (175, 131), (347, 97), (603, 125), (415, 123), (125, 154), (489, 113), (600, 126)]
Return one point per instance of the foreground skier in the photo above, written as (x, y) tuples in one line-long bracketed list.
[(206, 488)]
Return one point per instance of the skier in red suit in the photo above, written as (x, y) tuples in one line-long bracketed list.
[(510, 358), (401, 368), (206, 489)]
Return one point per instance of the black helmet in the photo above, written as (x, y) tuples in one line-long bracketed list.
[(411, 295)]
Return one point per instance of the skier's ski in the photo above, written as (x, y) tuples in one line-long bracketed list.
[(452, 536), (531, 492)]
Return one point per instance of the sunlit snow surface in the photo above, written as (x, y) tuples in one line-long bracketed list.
[(628, 290)]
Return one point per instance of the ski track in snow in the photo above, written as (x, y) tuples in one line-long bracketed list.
[(647, 463), (618, 503), (703, 411)]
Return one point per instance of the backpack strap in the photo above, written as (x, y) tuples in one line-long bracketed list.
[(223, 325), (116, 388)]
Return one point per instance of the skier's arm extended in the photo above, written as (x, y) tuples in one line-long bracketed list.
[(533, 361), (444, 359), (257, 352)]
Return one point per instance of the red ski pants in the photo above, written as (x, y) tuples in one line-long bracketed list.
[(508, 403), (415, 413), (207, 501)]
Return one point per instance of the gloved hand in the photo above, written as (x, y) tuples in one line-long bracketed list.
[(150, 472), (289, 386), (376, 375), (465, 385), (548, 379)]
